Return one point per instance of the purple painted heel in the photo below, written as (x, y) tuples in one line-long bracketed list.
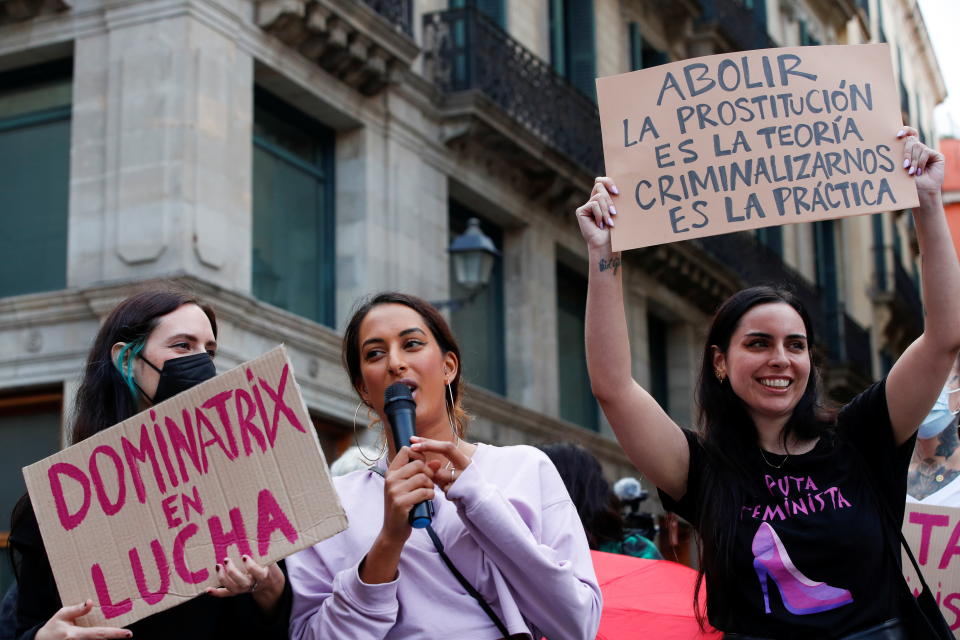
[(800, 594)]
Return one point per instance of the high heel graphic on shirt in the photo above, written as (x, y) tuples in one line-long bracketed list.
[(800, 594)]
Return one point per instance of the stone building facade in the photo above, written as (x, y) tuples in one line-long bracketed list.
[(283, 158)]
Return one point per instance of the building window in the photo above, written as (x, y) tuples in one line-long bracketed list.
[(642, 55), (824, 238), (496, 10), (806, 38), (572, 49), (293, 217), (879, 251), (479, 325), (34, 178), (771, 238), (658, 339), (29, 431), (577, 403)]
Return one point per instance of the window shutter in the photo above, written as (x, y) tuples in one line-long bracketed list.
[(636, 47), (580, 42), (558, 37)]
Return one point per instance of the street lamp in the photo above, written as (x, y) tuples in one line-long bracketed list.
[(473, 254)]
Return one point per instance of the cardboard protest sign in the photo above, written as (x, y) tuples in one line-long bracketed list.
[(934, 536), (137, 516), (751, 139)]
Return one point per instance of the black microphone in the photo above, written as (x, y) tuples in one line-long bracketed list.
[(401, 412)]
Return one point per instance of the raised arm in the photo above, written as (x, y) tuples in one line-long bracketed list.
[(649, 437), (918, 376)]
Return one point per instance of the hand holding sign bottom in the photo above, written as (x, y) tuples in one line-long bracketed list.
[(595, 216), (63, 625), (922, 162)]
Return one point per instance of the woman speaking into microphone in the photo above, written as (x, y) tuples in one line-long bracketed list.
[(505, 556)]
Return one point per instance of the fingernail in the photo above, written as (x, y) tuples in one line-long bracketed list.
[(613, 210), (906, 163), (226, 561), (217, 567), (245, 558), (415, 446), (919, 171), (912, 171), (614, 190), (601, 224), (900, 133), (612, 224)]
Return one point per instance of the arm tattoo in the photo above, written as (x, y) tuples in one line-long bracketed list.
[(927, 476), (612, 263), (948, 441)]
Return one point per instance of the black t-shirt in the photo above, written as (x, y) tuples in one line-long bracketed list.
[(811, 555)]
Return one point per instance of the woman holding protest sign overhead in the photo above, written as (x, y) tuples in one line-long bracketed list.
[(505, 555), (798, 507), (152, 346)]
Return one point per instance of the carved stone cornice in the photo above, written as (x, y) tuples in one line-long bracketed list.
[(345, 37), (22, 10)]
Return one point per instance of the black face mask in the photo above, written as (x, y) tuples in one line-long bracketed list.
[(180, 374)]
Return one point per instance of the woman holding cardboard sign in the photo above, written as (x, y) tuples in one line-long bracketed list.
[(505, 556), (152, 346), (797, 506)]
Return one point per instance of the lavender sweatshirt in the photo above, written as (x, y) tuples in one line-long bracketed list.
[(507, 524)]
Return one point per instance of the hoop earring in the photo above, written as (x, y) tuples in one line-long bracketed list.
[(451, 417), (356, 440)]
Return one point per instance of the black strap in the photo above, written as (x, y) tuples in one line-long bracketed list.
[(897, 526), (487, 609), (896, 546)]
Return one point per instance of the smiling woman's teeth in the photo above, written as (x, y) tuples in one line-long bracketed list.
[(779, 383)]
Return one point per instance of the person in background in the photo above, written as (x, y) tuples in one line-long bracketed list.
[(597, 505), (502, 516), (934, 476), (152, 346)]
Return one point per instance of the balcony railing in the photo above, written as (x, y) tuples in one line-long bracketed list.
[(843, 341), (466, 51), (757, 264), (738, 21), (399, 12)]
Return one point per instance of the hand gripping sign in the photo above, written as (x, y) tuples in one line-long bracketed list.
[(751, 139), (136, 516)]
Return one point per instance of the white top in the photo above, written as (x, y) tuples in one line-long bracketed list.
[(948, 496)]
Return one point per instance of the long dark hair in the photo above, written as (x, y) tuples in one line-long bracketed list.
[(350, 353), (729, 436), (104, 397), (596, 503)]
